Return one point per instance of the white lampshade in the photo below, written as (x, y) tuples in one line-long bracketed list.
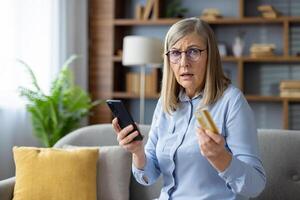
[(141, 50)]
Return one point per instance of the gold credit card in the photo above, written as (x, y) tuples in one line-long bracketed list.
[(206, 121)]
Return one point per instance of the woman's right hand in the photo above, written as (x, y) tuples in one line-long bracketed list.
[(126, 140)]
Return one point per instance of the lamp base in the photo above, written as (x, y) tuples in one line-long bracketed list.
[(142, 94)]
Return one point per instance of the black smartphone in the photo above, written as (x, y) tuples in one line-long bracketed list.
[(124, 118)]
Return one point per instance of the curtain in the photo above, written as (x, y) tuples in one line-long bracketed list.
[(42, 33)]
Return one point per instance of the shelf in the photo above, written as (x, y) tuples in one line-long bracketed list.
[(264, 98), (126, 95), (271, 98), (226, 20), (225, 59), (275, 58), (230, 59), (135, 22), (246, 59), (291, 99)]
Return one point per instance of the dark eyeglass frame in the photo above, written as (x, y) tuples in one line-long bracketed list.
[(189, 57)]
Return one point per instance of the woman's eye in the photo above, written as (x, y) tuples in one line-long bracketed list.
[(193, 51), (175, 53)]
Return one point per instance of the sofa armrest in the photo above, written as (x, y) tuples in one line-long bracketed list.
[(7, 188)]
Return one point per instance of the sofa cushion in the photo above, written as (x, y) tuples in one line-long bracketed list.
[(47, 173), (113, 173)]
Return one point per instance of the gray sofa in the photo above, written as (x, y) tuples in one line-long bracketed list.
[(279, 149)]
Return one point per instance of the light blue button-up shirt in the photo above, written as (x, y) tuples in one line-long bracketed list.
[(172, 151)]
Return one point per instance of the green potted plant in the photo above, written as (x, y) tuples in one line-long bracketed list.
[(174, 9), (61, 111)]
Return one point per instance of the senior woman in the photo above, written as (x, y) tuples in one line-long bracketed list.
[(196, 163)]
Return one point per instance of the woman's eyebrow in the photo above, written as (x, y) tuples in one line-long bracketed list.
[(194, 45), (190, 46)]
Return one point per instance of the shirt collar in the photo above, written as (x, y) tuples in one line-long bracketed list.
[(183, 97)]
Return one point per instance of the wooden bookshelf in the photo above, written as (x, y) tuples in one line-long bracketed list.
[(108, 26)]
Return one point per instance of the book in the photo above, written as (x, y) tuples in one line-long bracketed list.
[(133, 82), (211, 11), (259, 50), (139, 9), (268, 11), (265, 8), (210, 14), (270, 15), (148, 9), (261, 54), (289, 84), (290, 94), (155, 14), (262, 47), (151, 83)]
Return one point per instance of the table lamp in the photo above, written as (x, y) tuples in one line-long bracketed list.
[(142, 51)]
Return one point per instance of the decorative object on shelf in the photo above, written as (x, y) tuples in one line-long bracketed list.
[(151, 9), (222, 49), (261, 50), (174, 9), (119, 52), (290, 88), (238, 44), (139, 10), (210, 14), (58, 113), (268, 11), (142, 51)]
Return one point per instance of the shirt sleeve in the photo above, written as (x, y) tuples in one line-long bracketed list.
[(245, 174), (151, 171)]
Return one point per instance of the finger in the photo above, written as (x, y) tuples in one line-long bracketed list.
[(203, 137), (217, 138), (115, 124), (200, 131), (129, 138), (124, 132)]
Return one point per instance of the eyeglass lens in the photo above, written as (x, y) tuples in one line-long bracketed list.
[(192, 54)]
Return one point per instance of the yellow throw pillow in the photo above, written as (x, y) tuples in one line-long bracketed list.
[(56, 174)]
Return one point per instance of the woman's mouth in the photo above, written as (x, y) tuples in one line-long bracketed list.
[(186, 76)]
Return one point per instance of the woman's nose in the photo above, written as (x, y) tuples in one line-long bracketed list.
[(184, 60)]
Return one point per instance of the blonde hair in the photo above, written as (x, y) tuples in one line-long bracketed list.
[(215, 80)]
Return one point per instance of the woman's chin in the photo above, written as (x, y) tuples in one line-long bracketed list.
[(187, 85)]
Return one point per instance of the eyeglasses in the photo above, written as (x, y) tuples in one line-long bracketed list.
[(192, 54)]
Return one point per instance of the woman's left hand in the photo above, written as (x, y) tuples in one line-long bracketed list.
[(212, 146)]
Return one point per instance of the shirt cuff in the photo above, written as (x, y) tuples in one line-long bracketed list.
[(233, 171), (137, 170), (140, 174)]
